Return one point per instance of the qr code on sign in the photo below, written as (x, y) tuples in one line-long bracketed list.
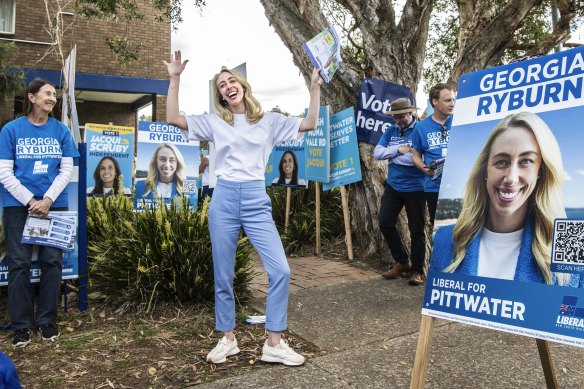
[(189, 186), (568, 242)]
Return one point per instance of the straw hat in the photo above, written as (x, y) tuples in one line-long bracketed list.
[(401, 105)]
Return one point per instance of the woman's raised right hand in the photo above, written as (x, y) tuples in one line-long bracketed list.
[(175, 67)]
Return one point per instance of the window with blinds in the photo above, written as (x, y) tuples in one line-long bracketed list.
[(7, 11)]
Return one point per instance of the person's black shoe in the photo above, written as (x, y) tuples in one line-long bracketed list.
[(21, 337), (48, 332)]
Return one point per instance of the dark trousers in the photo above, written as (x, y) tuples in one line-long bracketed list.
[(432, 202), (392, 203), (19, 256)]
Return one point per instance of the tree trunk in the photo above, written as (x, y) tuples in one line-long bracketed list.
[(392, 52), (484, 34), (395, 52)]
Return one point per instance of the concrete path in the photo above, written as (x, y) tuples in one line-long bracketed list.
[(368, 329)]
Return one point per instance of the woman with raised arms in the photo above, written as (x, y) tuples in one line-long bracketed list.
[(243, 136)]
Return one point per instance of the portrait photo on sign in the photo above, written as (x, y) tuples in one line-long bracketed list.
[(286, 165), (495, 216), (162, 172)]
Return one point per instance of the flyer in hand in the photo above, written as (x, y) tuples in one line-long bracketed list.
[(324, 51), (56, 230), (437, 166)]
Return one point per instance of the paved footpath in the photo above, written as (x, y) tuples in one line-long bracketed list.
[(310, 272), (367, 328)]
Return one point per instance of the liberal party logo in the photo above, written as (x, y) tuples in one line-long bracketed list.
[(570, 315), (39, 168)]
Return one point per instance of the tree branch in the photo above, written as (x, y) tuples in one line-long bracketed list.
[(486, 41), (561, 32)]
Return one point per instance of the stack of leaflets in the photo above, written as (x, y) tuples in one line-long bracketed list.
[(324, 51), (438, 167), (56, 230)]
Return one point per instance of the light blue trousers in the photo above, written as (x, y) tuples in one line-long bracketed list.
[(247, 205)]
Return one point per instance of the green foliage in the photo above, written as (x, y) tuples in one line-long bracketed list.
[(116, 9), (10, 82), (352, 49), (442, 46), (157, 254), (121, 47), (301, 229), (535, 28)]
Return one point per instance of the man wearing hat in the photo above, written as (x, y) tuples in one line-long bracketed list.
[(404, 187)]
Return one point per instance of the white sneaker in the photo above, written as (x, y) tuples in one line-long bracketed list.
[(281, 353), (224, 349)]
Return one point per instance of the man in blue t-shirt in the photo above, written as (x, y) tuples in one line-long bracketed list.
[(404, 187), (430, 143)]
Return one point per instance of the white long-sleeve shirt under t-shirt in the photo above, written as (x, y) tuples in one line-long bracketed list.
[(242, 150)]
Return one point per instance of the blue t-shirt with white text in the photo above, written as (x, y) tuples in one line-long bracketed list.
[(432, 142), (36, 152), (403, 178)]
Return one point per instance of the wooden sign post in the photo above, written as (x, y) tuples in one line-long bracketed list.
[(288, 200), (424, 348), (317, 205), (346, 216)]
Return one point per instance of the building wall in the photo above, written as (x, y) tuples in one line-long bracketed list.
[(93, 55), (104, 113)]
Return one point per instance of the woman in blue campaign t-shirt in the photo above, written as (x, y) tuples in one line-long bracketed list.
[(36, 164)]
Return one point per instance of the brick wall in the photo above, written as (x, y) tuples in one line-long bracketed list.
[(93, 55), (104, 113), (160, 108)]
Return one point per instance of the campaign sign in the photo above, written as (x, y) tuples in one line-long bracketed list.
[(512, 192), (70, 261), (167, 166), (286, 165), (375, 97), (110, 158), (317, 143), (345, 164)]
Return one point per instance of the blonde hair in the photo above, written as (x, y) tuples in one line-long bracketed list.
[(153, 177), (545, 203), (253, 109)]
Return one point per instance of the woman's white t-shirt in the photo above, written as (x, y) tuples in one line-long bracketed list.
[(498, 254), (242, 150), (164, 190)]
